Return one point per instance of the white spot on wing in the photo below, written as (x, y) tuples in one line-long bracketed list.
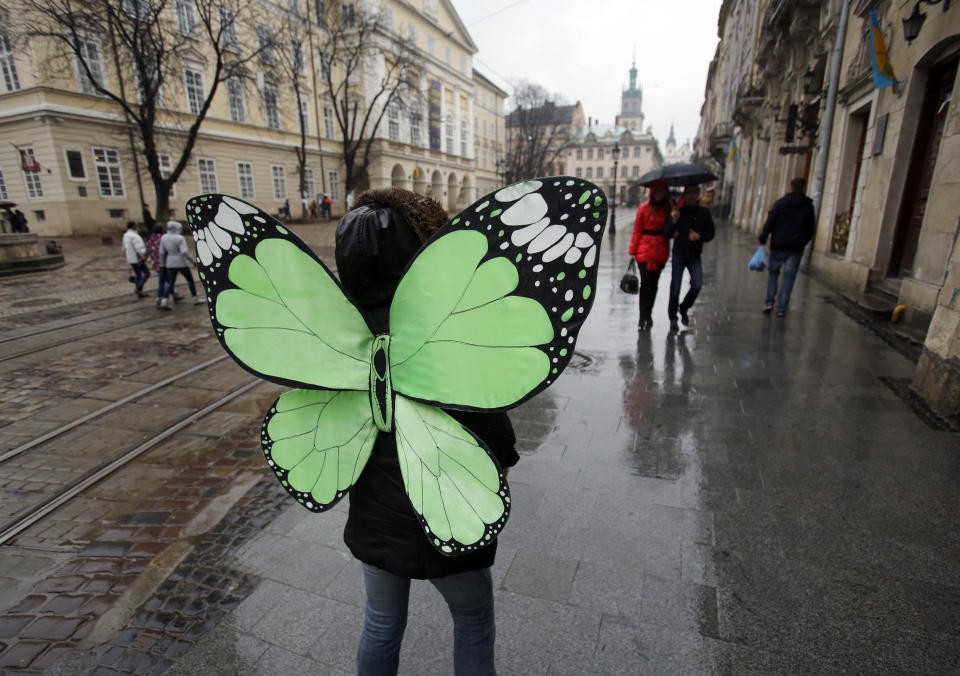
[(240, 207), (530, 209), (559, 249), (524, 235), (516, 191), (228, 219), (203, 252), (547, 238), (591, 256)]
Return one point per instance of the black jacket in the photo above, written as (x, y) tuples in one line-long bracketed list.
[(695, 218), (374, 246), (790, 224)]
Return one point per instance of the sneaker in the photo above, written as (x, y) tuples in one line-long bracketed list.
[(158, 301), (177, 298), (684, 318), (781, 313), (197, 300), (141, 294), (767, 308), (165, 304)]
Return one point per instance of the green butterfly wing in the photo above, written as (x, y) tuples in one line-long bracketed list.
[(454, 483), (487, 314), (274, 306), (317, 442)]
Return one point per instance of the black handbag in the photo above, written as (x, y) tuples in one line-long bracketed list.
[(629, 282)]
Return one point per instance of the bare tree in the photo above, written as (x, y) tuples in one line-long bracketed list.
[(148, 45), (538, 132), (364, 69)]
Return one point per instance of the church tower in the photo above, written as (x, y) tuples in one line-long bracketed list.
[(671, 140), (631, 103)]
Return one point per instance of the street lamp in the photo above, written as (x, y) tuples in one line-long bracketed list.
[(613, 214), (913, 23), (501, 170)]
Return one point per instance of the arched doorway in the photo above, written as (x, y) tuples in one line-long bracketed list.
[(420, 181), (436, 186), (466, 193), (398, 177), (453, 192)]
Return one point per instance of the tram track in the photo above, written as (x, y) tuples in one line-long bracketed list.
[(34, 513), (65, 325)]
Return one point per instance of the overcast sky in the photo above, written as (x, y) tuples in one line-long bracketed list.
[(582, 50)]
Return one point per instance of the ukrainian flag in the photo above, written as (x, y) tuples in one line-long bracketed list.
[(883, 75), (732, 155)]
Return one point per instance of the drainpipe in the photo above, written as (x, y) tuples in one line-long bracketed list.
[(828, 119)]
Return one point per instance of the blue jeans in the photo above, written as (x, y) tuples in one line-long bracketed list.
[(169, 275), (141, 273), (790, 262), (695, 267), (469, 596)]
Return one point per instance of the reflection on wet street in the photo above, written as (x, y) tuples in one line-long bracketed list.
[(744, 495)]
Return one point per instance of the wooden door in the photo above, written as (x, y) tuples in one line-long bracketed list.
[(926, 148)]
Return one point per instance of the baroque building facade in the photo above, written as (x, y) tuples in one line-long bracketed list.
[(443, 139), (791, 92)]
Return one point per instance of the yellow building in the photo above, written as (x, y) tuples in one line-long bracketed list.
[(91, 181)]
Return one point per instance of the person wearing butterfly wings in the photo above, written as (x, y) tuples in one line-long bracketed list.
[(404, 374)]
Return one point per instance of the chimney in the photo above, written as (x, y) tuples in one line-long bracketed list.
[(616, 121), (589, 122)]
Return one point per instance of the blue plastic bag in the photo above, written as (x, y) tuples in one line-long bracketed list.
[(759, 261)]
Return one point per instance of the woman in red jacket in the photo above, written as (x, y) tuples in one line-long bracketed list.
[(650, 248)]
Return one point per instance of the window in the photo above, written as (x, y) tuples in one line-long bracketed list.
[(309, 185), (294, 7), (265, 43), (449, 127), (228, 29), (32, 178), (415, 124), (245, 180), (90, 55), (279, 175), (463, 138), (186, 16), (589, 172), (271, 110), (207, 169), (589, 153), (193, 81), (324, 63), (303, 114), (636, 171), (485, 129), (75, 166), (388, 19), (579, 153), (236, 100), (623, 172), (107, 163), (579, 172), (328, 126), (463, 64), (333, 184), (296, 55), (136, 8), (599, 172), (348, 14), (446, 55), (430, 44), (7, 63), (3, 188), (599, 153), (636, 151), (411, 32), (165, 168), (320, 9), (393, 121)]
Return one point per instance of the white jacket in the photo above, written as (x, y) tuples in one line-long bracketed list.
[(173, 248), (132, 246)]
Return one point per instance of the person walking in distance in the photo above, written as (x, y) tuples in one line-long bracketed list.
[(690, 226), (650, 248), (174, 258), (134, 250), (790, 225)]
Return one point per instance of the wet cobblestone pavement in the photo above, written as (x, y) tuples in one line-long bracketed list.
[(743, 496)]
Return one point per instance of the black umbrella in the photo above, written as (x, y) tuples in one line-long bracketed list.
[(678, 174)]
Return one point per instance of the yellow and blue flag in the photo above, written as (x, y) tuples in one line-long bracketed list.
[(732, 155), (883, 75)]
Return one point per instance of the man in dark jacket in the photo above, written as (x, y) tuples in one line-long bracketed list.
[(789, 226), (690, 225)]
